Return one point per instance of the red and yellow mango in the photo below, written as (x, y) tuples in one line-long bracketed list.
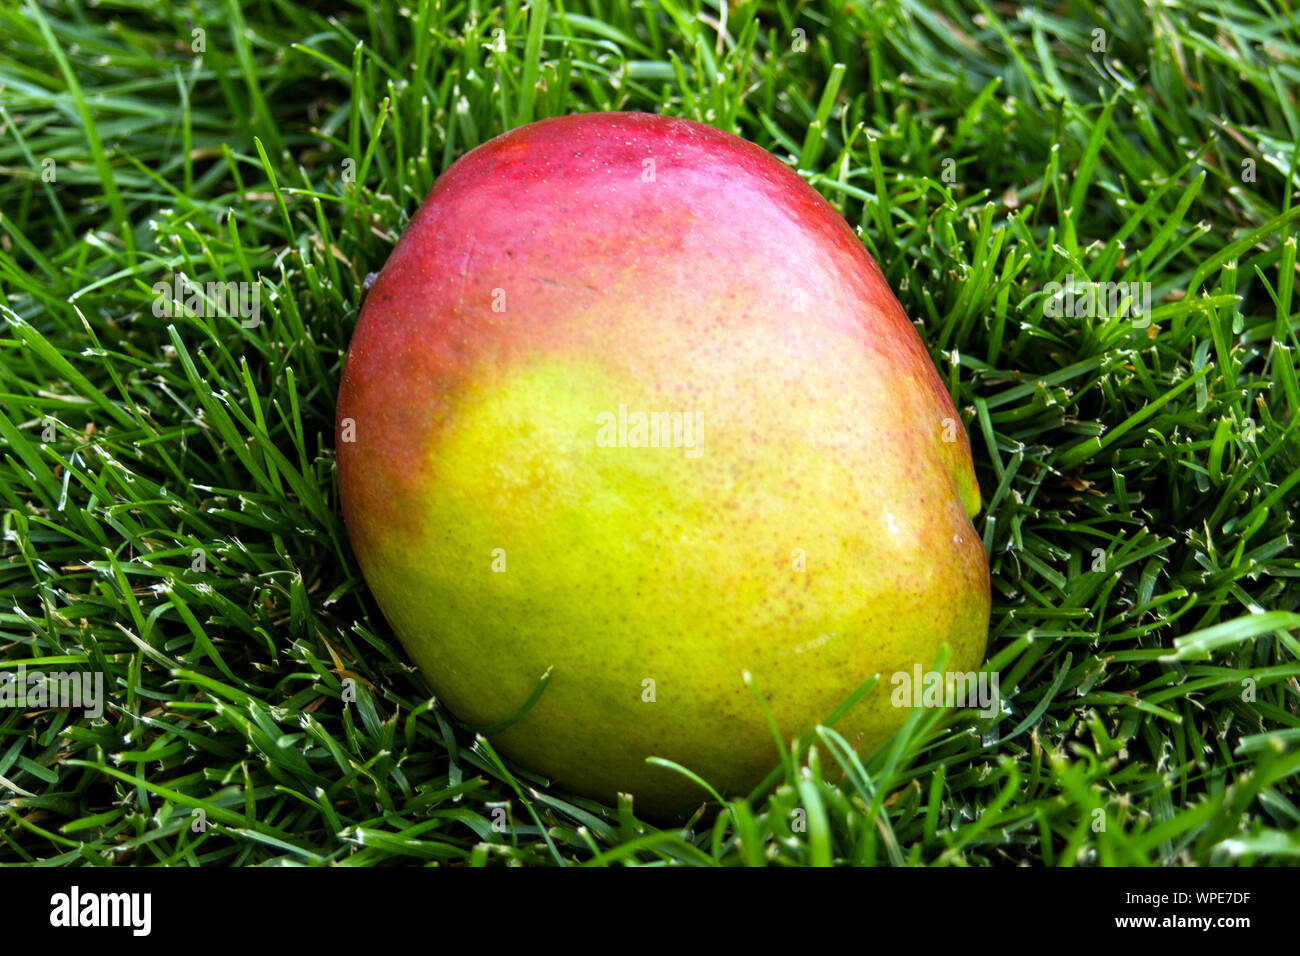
[(568, 292)]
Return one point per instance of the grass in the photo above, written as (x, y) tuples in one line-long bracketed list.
[(169, 511)]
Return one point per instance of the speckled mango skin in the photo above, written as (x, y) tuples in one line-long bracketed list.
[(821, 536)]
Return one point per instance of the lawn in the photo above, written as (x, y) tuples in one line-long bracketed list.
[(170, 513)]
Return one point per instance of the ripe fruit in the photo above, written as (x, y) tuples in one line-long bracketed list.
[(799, 508)]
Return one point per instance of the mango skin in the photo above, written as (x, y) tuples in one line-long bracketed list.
[(821, 536)]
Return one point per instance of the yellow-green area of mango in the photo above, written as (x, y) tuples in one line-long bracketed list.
[(648, 579)]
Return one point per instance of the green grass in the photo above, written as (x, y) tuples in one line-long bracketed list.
[(169, 508)]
